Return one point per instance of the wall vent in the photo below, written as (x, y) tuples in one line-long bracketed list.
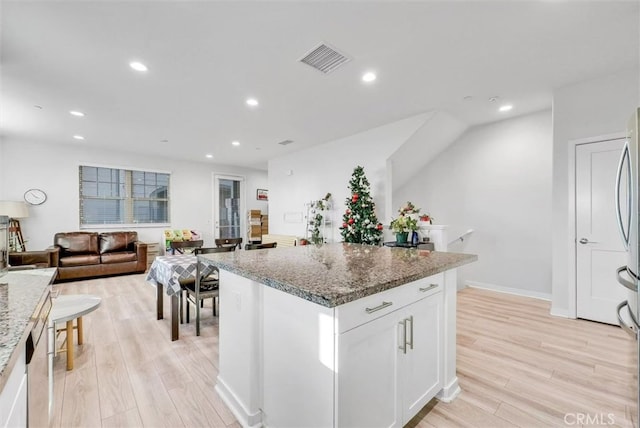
[(285, 142), (324, 58)]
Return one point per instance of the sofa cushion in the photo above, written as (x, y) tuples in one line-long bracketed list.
[(80, 260), (77, 242), (117, 241), (123, 256)]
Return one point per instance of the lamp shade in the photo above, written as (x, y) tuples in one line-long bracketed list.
[(14, 209)]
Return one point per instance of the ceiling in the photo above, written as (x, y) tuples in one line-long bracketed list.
[(206, 58)]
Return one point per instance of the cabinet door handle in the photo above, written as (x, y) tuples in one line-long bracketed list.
[(430, 287), (377, 308), (403, 324), (410, 342)]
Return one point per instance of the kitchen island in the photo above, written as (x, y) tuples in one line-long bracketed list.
[(336, 335), (25, 301)]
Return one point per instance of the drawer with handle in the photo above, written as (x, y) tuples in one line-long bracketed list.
[(358, 312)]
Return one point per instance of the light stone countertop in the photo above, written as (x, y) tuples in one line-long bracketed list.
[(335, 274), (21, 296)]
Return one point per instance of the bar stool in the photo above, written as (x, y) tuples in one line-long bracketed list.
[(67, 308)]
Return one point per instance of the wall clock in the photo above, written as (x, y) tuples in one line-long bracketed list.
[(35, 196)]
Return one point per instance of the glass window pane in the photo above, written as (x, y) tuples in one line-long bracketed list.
[(89, 173), (104, 175), (138, 191), (89, 189), (102, 211), (163, 179), (104, 189)]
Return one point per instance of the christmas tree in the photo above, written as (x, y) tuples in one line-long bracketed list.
[(359, 222)]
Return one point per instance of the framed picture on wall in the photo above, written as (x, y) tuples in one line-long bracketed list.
[(262, 195)]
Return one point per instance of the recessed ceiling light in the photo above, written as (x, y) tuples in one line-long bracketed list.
[(368, 77), (138, 66), (468, 98), (78, 137), (164, 141), (506, 107), (235, 143), (494, 99), (209, 155), (76, 113), (252, 102), (38, 107)]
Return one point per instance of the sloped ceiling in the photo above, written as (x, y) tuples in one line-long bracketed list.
[(206, 57)]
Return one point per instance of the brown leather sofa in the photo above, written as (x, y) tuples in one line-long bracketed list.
[(92, 254)]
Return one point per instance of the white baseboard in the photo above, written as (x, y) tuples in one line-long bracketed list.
[(559, 312), (509, 290)]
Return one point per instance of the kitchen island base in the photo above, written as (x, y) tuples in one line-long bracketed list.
[(374, 361)]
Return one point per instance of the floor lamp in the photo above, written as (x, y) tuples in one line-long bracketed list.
[(15, 210)]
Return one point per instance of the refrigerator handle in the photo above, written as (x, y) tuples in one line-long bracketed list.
[(630, 285), (623, 324), (624, 233)]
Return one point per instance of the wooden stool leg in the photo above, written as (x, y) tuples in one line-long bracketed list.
[(80, 331), (70, 345)]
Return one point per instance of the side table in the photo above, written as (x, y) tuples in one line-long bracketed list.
[(66, 308), (153, 250)]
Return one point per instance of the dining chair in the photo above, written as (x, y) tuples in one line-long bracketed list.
[(260, 246), (203, 286), (185, 247), (226, 242)]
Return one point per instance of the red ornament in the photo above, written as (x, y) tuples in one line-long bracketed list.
[(355, 197), (351, 221), (379, 226), (344, 225), (348, 211)]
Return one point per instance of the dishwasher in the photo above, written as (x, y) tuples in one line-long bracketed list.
[(40, 368)]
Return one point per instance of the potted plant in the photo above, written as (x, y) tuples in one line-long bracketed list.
[(426, 218), (402, 225)]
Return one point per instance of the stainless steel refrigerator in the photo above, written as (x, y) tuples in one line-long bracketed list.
[(627, 209)]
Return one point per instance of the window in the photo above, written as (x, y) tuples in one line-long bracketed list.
[(120, 196)]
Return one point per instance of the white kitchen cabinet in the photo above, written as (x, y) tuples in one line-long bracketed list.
[(13, 397), (389, 368)]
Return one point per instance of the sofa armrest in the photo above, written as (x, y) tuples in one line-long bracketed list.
[(141, 253), (54, 255)]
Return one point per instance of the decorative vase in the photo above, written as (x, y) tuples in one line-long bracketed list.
[(401, 238), (414, 238)]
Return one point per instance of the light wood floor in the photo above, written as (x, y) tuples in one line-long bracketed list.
[(517, 366)]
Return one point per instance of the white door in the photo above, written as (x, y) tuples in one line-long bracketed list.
[(228, 206), (599, 248)]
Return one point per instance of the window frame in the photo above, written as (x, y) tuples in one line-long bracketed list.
[(128, 199)]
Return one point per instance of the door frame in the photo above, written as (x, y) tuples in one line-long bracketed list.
[(243, 201), (572, 277)]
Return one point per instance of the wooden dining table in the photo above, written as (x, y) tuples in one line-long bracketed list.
[(167, 272)]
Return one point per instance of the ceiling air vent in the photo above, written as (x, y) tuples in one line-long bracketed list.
[(324, 58), (285, 142)]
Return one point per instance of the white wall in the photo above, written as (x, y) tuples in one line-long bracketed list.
[(495, 179), (54, 169), (588, 109), (328, 168)]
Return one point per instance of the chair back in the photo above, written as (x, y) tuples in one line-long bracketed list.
[(226, 242), (185, 246), (260, 246), (207, 250)]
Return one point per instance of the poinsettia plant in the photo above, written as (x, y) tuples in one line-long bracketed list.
[(407, 220), (403, 223)]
